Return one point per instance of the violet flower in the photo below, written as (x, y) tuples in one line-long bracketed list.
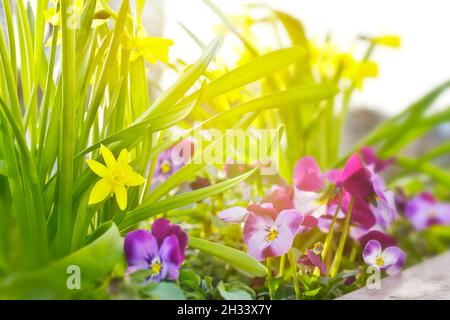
[(172, 159), (390, 259), (424, 211), (267, 235), (160, 251), (313, 258)]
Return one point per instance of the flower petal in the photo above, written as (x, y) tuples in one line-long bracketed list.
[(124, 157), (233, 215), (394, 259), (281, 199), (307, 176), (132, 179), (371, 251), (280, 245), (98, 168), (255, 234), (265, 209), (355, 178), (102, 189), (386, 211), (140, 248), (162, 228), (443, 213), (170, 251), (121, 196), (317, 261), (308, 202), (290, 219), (384, 239), (108, 156)]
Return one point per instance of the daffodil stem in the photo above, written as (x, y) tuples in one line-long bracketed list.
[(294, 274), (269, 277), (338, 257), (329, 238)]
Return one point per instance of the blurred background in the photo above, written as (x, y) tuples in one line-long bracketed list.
[(421, 63)]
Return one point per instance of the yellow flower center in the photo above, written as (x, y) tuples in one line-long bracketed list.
[(272, 234), (379, 261), (166, 166), (318, 248), (156, 266)]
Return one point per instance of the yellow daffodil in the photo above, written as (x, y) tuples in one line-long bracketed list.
[(392, 41), (151, 49), (326, 59), (357, 71), (116, 176)]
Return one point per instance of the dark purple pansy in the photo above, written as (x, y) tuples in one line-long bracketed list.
[(391, 259), (356, 179), (424, 211), (384, 239), (314, 260), (160, 251), (371, 159), (200, 183)]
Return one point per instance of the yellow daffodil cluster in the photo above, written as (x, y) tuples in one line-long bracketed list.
[(328, 62)]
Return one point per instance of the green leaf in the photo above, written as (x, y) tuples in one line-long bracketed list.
[(3, 169), (102, 251), (235, 291), (235, 258), (147, 210), (164, 291)]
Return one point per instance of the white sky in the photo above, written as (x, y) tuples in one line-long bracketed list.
[(424, 26)]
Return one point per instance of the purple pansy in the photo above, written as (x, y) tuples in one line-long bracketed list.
[(160, 251), (391, 259), (267, 235), (424, 211), (172, 159)]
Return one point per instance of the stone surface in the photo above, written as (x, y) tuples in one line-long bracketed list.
[(429, 280)]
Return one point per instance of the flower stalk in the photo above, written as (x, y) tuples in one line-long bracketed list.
[(338, 257), (294, 274)]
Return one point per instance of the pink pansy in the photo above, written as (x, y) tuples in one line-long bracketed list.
[(266, 236), (234, 214), (390, 259), (308, 188), (307, 175), (278, 200)]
